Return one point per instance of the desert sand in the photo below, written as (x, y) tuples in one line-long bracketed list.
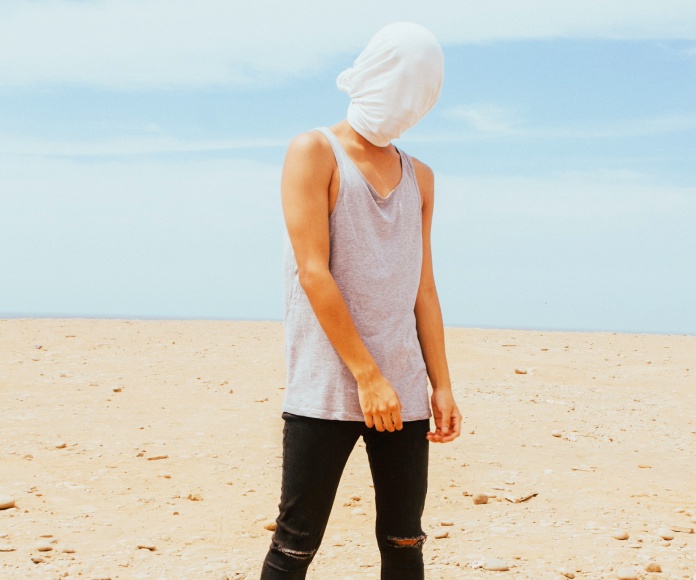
[(152, 449)]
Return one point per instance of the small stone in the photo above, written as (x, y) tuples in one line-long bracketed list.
[(566, 572), (117, 389), (68, 550), (620, 535), (37, 559), (665, 533), (480, 499), (496, 565), (653, 567), (520, 371), (355, 497), (61, 445), (556, 433), (442, 536), (6, 548), (195, 497), (44, 547), (626, 574), (271, 526), (448, 523), (147, 546), (6, 502)]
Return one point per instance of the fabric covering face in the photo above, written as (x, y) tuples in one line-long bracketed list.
[(394, 82)]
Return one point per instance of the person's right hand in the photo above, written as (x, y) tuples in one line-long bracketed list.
[(380, 404)]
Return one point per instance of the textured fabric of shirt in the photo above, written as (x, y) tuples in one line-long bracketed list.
[(376, 255)]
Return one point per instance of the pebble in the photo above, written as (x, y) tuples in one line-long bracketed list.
[(653, 567), (270, 526), (6, 502), (447, 523), (195, 497), (480, 498), (566, 572), (520, 371), (556, 433), (44, 547), (61, 445), (6, 548), (147, 546), (496, 565), (626, 574), (68, 550), (620, 535), (37, 559), (442, 536), (665, 533)]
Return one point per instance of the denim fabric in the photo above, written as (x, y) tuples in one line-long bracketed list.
[(315, 452)]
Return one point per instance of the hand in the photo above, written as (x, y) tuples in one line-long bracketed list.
[(380, 404), (448, 419)]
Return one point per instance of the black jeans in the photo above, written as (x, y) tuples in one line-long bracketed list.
[(315, 452)]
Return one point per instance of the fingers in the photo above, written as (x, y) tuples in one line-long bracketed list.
[(398, 423), (447, 429), (385, 421), (457, 424)]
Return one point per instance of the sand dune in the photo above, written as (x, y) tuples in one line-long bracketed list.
[(151, 449)]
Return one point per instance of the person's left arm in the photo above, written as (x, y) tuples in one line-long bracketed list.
[(431, 334)]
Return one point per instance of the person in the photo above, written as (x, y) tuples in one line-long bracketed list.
[(363, 324)]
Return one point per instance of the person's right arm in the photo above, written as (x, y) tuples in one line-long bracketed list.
[(307, 172)]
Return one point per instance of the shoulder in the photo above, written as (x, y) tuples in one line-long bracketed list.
[(425, 178), (312, 147)]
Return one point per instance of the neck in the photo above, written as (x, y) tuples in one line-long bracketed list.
[(350, 134)]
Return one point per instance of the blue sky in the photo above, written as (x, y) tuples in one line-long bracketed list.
[(141, 145)]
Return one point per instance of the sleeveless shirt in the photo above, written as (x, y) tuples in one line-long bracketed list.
[(375, 257)]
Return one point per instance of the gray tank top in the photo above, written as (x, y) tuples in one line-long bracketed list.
[(376, 255)]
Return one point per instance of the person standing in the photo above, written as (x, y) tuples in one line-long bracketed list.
[(363, 326)]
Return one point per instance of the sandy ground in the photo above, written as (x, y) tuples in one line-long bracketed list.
[(166, 434)]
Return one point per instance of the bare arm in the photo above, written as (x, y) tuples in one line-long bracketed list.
[(307, 173), (429, 324)]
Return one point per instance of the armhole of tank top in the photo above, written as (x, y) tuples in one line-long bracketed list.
[(330, 139), (406, 158)]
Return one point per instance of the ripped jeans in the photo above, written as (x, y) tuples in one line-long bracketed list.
[(315, 452)]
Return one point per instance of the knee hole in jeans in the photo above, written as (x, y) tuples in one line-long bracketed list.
[(297, 554), (416, 542)]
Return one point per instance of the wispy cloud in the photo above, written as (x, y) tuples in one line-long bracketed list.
[(129, 44), (601, 195), (152, 143), (485, 118), (490, 121)]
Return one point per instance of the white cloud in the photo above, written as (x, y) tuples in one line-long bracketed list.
[(484, 118), (153, 142), (490, 121), (156, 43), (190, 237), (614, 196)]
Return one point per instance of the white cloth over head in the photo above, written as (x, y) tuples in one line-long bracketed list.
[(394, 82)]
